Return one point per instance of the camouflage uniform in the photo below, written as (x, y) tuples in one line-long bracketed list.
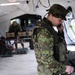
[(43, 45), (16, 29)]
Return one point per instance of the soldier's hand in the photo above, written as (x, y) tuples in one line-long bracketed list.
[(69, 69), (60, 28)]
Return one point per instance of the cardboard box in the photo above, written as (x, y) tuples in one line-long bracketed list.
[(9, 35), (21, 34)]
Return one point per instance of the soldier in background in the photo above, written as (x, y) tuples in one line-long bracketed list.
[(15, 27), (51, 59)]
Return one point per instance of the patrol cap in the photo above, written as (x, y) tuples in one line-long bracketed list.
[(57, 11)]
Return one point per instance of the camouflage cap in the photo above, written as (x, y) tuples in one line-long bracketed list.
[(58, 11)]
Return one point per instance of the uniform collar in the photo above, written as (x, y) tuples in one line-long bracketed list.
[(47, 22), (49, 26)]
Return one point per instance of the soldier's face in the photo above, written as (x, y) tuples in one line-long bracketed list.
[(14, 23), (57, 21)]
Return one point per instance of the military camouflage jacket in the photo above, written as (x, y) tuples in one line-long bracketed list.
[(15, 29), (44, 39)]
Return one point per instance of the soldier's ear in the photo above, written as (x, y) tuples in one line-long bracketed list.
[(51, 15)]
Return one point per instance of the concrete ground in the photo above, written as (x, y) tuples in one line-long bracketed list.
[(21, 64)]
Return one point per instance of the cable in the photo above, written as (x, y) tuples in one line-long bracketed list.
[(44, 5), (34, 6), (39, 1)]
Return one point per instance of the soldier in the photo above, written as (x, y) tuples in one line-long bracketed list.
[(15, 27), (51, 53)]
